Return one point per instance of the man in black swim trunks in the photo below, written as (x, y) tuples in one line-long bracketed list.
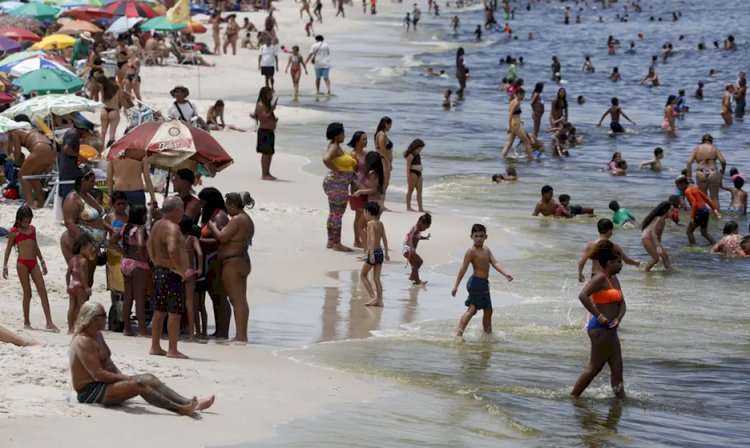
[(614, 113), (97, 380), (166, 248)]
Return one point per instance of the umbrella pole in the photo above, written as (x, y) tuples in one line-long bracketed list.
[(199, 80), (166, 190)]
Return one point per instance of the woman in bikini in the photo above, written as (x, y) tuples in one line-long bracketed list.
[(726, 103), (83, 214), (122, 55), (559, 109), (215, 22), (234, 241), (602, 297), (22, 236), (414, 173), (215, 211), (231, 34), (305, 8), (708, 176), (135, 269), (537, 109), (358, 143), (296, 63), (96, 67), (40, 160), (110, 115), (384, 147), (670, 115), (515, 125), (653, 228), (131, 86)]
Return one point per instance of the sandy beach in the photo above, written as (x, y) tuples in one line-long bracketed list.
[(255, 388)]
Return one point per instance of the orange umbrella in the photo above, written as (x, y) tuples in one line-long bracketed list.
[(194, 27), (78, 27)]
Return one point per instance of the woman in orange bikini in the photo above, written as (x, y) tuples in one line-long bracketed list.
[(23, 237), (603, 298)]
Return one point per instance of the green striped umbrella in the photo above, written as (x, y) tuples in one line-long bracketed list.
[(162, 23), (36, 10)]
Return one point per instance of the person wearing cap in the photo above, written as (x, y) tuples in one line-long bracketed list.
[(184, 110), (320, 55), (81, 47), (68, 158)]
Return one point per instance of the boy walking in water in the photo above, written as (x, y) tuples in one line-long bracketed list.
[(478, 285), (377, 250), (700, 209)]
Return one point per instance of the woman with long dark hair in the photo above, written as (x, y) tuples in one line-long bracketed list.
[(358, 143), (110, 115), (375, 179), (461, 72), (653, 228), (559, 108), (336, 184), (670, 115), (515, 125), (537, 109), (603, 298), (413, 156), (384, 147), (266, 117), (214, 210)]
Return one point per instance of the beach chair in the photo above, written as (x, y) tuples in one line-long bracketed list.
[(183, 57), (150, 58)]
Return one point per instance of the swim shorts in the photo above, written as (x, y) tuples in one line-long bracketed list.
[(267, 71), (266, 141), (479, 293), (321, 73), (616, 127), (576, 209), (701, 217), (169, 291), (377, 257), (92, 393)]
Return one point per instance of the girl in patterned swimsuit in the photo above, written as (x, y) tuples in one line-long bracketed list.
[(23, 237), (79, 291)]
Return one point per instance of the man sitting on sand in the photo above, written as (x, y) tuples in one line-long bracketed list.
[(96, 379)]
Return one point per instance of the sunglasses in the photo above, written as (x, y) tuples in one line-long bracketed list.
[(101, 315)]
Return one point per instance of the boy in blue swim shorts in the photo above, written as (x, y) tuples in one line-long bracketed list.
[(376, 247), (478, 285)]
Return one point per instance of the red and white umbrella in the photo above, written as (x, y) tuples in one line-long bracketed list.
[(172, 145)]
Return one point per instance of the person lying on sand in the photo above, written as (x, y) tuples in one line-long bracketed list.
[(12, 338), (96, 379)]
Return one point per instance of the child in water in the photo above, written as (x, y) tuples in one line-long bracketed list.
[(655, 163), (621, 216), (376, 248), (621, 169), (739, 196), (509, 176), (23, 236), (730, 242), (478, 285), (565, 210), (410, 246), (79, 290), (447, 102)]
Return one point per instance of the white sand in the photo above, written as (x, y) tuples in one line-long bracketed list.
[(255, 389)]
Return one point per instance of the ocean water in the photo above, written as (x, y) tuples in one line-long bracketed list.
[(685, 336)]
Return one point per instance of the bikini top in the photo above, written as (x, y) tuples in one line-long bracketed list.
[(89, 213), (344, 163), (611, 295), (388, 145), (24, 236), (416, 160), (517, 111)]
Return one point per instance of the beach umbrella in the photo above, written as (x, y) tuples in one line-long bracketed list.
[(31, 64), (19, 33), (49, 80), (6, 124), (24, 23), (131, 8), (8, 45), (123, 25), (78, 27), (37, 11), (171, 145), (194, 27), (54, 42), (6, 99), (17, 57), (41, 106), (89, 13), (161, 23)]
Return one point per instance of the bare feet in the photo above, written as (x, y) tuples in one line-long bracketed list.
[(157, 352), (51, 327), (206, 403), (237, 341), (176, 354), (409, 209), (374, 302), (128, 332), (27, 325), (419, 282), (358, 245), (269, 177), (190, 408), (341, 248), (329, 245)]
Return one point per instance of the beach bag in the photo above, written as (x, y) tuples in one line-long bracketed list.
[(357, 202)]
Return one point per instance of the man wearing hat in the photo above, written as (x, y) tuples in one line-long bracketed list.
[(182, 109), (68, 159), (81, 48)]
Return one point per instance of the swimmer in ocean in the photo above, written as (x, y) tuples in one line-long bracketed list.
[(547, 205), (606, 229), (615, 75), (509, 176), (738, 203), (588, 66), (655, 163), (651, 77), (447, 102), (614, 113)]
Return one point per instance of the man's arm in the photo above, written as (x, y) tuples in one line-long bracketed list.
[(626, 117), (602, 119), (587, 251), (86, 351), (146, 171)]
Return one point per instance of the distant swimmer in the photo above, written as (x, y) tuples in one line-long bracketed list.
[(447, 102), (699, 91), (655, 163), (478, 285), (547, 205), (738, 203), (740, 91), (606, 229), (631, 48), (603, 298), (668, 122), (614, 113), (556, 68), (615, 75), (651, 77), (565, 210), (726, 103), (509, 176), (588, 66), (652, 230)]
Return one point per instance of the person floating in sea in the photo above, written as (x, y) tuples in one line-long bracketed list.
[(738, 203), (615, 75), (603, 298), (565, 210), (478, 285), (614, 113), (509, 176), (606, 228), (588, 66), (621, 215)]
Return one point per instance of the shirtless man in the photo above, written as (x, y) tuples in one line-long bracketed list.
[(707, 177), (96, 379), (131, 177), (40, 160), (547, 206), (606, 229), (614, 113), (655, 163), (166, 248), (305, 8)]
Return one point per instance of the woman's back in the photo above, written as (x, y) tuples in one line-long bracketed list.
[(127, 174)]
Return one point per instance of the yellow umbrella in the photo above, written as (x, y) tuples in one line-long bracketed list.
[(54, 42)]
